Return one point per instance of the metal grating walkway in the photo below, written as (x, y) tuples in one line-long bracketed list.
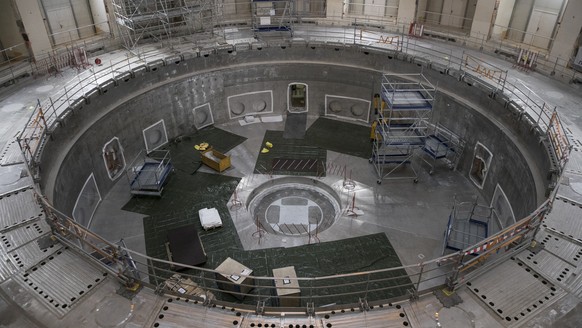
[(23, 234), (180, 313), (547, 264), (565, 218), (11, 154), (21, 223), (61, 280), (375, 318), (18, 207), (30, 254), (563, 248), (575, 162), (576, 285), (519, 295)]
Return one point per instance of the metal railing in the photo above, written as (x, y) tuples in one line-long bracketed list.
[(407, 281), (453, 269)]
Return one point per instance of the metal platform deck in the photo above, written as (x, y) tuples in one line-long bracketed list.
[(514, 291), (61, 280)]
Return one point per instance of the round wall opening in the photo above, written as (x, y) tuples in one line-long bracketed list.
[(294, 206)]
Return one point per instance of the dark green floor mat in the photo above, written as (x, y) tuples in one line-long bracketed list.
[(317, 260), (341, 137), (183, 191), (187, 193), (289, 150), (295, 124), (187, 159)]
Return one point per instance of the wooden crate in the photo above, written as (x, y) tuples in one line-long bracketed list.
[(216, 160)]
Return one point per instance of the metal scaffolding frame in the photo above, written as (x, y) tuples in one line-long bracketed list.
[(442, 144), (469, 224), (402, 123), (272, 15), (157, 20)]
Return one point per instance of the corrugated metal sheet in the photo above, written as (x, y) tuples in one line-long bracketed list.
[(18, 207), (61, 280), (514, 291)]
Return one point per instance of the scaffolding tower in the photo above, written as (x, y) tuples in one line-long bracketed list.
[(272, 15), (401, 126), (156, 20)]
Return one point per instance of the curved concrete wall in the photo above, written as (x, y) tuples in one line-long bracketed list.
[(170, 90)]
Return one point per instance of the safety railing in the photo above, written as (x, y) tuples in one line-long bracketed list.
[(49, 112), (386, 284), (536, 109)]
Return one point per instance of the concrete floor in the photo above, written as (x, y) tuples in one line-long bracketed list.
[(412, 215)]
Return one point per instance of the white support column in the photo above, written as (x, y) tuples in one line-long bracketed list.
[(568, 31), (99, 14), (482, 19), (406, 9), (504, 12), (30, 12)]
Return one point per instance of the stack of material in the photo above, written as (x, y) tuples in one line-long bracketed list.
[(186, 286)]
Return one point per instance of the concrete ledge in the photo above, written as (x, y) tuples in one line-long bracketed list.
[(242, 46), (139, 71), (123, 78), (105, 86), (91, 95), (172, 60), (155, 65)]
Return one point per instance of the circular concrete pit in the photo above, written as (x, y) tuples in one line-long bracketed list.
[(294, 206)]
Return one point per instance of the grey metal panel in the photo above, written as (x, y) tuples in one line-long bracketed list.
[(548, 264), (514, 291), (576, 286), (560, 247), (575, 160), (61, 280), (11, 154), (14, 238), (30, 254), (565, 218), (18, 207), (7, 267)]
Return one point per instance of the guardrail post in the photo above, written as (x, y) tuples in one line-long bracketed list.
[(41, 114), (367, 285), (153, 268), (451, 280), (67, 96), (416, 288)]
